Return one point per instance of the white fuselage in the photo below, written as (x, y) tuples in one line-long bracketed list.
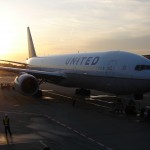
[(116, 72)]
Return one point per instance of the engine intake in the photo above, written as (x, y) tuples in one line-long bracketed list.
[(26, 84)]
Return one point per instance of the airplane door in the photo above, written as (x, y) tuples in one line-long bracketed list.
[(111, 67)]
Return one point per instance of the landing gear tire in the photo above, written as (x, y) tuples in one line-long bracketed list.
[(130, 108)]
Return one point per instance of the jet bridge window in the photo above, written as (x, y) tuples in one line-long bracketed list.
[(142, 67)]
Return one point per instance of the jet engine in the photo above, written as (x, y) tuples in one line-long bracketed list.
[(26, 84)]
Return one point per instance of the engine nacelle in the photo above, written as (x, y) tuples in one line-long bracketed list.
[(26, 84)]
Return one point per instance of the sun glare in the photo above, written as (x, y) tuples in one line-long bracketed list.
[(7, 33), (6, 39)]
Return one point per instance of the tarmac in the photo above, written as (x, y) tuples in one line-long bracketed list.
[(53, 122)]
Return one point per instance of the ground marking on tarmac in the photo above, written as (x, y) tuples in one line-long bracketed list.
[(98, 105), (43, 143), (82, 134), (63, 125), (100, 144), (59, 94), (71, 98), (47, 90), (91, 139), (69, 128), (76, 131), (92, 99), (79, 133), (13, 143)]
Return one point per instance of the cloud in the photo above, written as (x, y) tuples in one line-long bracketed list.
[(83, 24), (139, 44)]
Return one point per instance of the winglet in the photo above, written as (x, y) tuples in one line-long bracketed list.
[(31, 49)]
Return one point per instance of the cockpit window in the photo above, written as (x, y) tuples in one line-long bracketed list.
[(142, 67)]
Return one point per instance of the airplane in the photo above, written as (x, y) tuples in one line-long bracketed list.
[(117, 72)]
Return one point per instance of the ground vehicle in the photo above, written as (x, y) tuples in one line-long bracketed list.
[(145, 112)]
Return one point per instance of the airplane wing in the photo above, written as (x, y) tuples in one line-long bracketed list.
[(44, 75), (147, 56), (15, 62)]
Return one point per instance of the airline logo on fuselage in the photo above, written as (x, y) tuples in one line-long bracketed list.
[(82, 60)]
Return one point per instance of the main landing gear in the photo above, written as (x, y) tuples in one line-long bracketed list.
[(80, 94), (131, 108)]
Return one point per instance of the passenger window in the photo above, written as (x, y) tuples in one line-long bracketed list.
[(142, 67)]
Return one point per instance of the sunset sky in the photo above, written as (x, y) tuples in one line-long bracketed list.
[(69, 26)]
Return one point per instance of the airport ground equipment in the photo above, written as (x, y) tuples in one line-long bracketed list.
[(145, 112)]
